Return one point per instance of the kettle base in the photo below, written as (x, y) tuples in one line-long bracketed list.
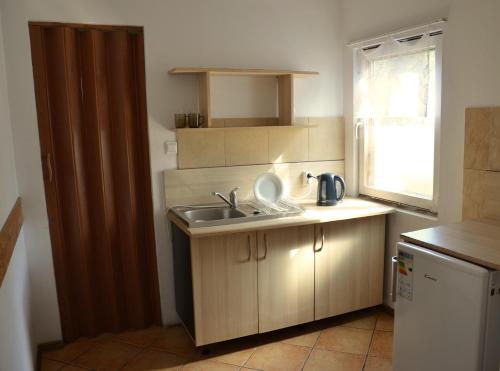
[(326, 203)]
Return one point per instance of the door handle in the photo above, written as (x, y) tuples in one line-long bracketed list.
[(48, 165), (249, 244), (395, 262)]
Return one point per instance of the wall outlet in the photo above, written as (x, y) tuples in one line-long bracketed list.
[(306, 177)]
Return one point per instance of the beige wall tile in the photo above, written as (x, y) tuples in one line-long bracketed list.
[(481, 197), (250, 121), (300, 121), (494, 146), (200, 148), (288, 144), (191, 186), (478, 129), (327, 139), (246, 146), (481, 191)]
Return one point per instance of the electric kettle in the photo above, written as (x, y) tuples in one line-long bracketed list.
[(327, 189)]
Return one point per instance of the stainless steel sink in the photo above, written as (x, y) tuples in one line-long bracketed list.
[(219, 213)]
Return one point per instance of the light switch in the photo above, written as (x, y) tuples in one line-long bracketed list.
[(171, 147)]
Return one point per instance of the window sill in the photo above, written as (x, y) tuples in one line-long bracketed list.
[(405, 209)]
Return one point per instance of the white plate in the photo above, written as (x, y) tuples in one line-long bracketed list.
[(268, 188)]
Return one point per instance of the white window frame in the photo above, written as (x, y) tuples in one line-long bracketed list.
[(359, 127)]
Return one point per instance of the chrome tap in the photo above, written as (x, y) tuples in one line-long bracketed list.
[(233, 198)]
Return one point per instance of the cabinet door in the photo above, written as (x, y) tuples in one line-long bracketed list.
[(286, 277), (350, 266), (224, 287)]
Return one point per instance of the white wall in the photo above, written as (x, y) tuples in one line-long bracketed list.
[(280, 34), (244, 96), (15, 325), (471, 57)]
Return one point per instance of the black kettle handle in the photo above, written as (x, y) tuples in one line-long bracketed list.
[(342, 186)]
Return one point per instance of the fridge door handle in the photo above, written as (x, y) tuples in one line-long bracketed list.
[(395, 263)]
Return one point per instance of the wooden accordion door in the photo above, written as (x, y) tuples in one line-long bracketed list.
[(91, 106)]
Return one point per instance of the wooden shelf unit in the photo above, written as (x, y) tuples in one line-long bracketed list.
[(285, 88)]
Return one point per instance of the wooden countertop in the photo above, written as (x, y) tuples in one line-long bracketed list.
[(349, 208), (475, 241)]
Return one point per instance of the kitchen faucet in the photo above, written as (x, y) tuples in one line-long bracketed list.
[(233, 198)]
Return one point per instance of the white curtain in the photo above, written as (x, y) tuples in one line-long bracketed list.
[(393, 79)]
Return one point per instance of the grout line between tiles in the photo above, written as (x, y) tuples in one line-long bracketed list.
[(311, 350), (133, 358), (255, 348), (370, 345)]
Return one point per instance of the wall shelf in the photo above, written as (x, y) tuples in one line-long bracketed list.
[(238, 72), (247, 127), (285, 88)]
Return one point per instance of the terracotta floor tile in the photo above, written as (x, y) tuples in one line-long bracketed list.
[(381, 344), (69, 352), (209, 365), (175, 340), (50, 365), (345, 339), (305, 340), (278, 356), (107, 355), (141, 338), (363, 320), (385, 322), (378, 364), (233, 357), (321, 360), (155, 360)]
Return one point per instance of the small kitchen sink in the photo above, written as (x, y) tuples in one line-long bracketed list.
[(212, 215), (219, 213)]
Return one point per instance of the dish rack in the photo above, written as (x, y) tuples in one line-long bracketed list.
[(281, 207)]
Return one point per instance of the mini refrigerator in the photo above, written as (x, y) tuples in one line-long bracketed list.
[(447, 313)]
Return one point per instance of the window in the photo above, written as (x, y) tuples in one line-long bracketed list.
[(397, 88)]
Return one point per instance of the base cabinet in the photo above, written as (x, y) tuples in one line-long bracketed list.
[(286, 277), (224, 270), (239, 284), (349, 265)]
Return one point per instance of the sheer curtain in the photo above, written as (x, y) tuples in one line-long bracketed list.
[(395, 101)]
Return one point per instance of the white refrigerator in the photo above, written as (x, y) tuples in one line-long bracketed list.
[(447, 313)]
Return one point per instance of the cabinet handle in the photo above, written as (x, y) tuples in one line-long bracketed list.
[(395, 263), (249, 248), (322, 240), (265, 247)]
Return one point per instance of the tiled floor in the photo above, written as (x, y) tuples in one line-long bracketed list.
[(357, 341)]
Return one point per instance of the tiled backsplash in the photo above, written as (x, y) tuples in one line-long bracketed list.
[(322, 141), (192, 186), (481, 193)]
